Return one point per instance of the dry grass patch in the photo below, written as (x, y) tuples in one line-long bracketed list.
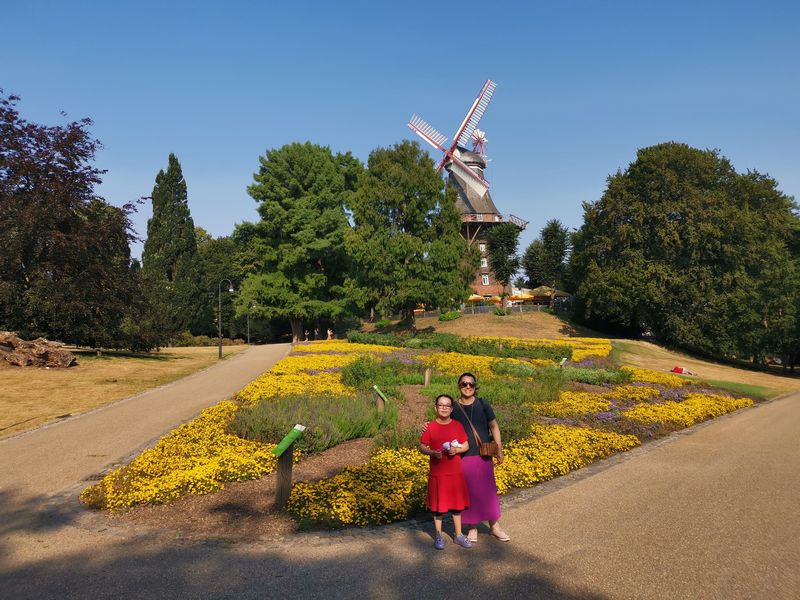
[(650, 356), (34, 396)]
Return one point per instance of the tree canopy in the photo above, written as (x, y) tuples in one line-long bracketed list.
[(406, 245), (545, 259), (502, 243), (65, 269), (294, 258), (683, 246)]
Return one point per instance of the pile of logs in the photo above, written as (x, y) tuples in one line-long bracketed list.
[(38, 353)]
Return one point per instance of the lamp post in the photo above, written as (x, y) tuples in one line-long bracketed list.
[(219, 314), (249, 308)]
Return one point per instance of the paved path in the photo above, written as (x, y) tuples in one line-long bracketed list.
[(708, 513), (46, 460)]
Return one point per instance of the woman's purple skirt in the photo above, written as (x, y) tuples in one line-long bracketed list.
[(483, 502)]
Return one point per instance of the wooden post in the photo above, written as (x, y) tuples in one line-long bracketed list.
[(427, 376), (283, 482), (380, 402)]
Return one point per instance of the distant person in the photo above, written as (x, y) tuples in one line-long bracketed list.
[(316, 333), (682, 371), (305, 333), (330, 333), (445, 440)]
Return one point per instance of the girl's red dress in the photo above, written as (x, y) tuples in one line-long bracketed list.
[(447, 489)]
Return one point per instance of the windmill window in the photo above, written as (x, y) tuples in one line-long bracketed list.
[(484, 262), (480, 217), (482, 247), (485, 279)]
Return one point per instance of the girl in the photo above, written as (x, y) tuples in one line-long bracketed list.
[(444, 440)]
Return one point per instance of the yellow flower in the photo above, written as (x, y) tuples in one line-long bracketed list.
[(649, 376)]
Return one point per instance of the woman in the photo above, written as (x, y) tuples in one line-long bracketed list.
[(478, 471)]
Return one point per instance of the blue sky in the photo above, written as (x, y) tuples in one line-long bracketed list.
[(581, 85)]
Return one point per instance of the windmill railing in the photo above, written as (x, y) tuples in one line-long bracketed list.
[(521, 223)]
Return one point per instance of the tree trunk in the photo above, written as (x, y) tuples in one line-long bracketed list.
[(297, 329), (412, 320)]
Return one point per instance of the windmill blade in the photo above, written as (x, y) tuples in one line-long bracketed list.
[(471, 179), (427, 132), (470, 122)]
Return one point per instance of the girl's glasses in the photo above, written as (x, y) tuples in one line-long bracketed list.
[(467, 384)]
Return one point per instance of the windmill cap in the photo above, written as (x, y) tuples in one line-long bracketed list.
[(470, 158)]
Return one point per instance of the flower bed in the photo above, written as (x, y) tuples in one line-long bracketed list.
[(695, 408), (195, 458), (648, 376), (554, 450), (393, 484), (200, 456)]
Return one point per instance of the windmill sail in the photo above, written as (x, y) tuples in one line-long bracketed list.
[(475, 113)]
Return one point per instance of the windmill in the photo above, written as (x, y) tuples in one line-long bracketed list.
[(465, 133), (478, 211)]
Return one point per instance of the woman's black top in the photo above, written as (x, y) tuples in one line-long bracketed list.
[(480, 413)]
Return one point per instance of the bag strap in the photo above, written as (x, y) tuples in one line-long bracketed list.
[(475, 431)]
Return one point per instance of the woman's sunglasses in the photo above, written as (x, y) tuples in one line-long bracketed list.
[(467, 384)]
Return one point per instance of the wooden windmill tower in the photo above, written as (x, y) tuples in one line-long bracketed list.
[(465, 170)]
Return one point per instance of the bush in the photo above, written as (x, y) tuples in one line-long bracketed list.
[(500, 312), (329, 420), (450, 316), (595, 376), (383, 324)]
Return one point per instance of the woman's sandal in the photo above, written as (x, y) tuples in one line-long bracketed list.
[(499, 534), (472, 536)]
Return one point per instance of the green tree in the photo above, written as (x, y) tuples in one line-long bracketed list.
[(545, 259), (170, 264), (405, 244), (219, 258), (293, 259), (502, 242), (682, 245), (65, 268)]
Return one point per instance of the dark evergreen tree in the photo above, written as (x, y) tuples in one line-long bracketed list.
[(65, 269), (683, 246), (170, 263), (406, 246)]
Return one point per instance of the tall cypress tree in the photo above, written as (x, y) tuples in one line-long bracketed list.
[(170, 262)]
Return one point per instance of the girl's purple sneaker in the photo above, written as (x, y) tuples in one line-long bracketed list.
[(438, 543), (462, 541)]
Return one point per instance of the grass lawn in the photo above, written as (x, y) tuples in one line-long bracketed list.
[(35, 396), (753, 383)]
